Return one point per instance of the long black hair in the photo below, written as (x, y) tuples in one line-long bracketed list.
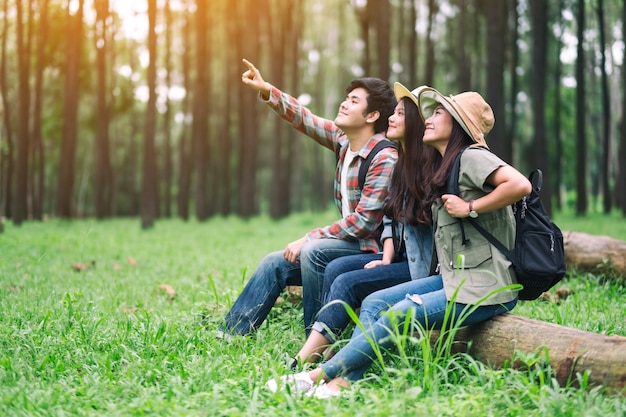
[(459, 140), (407, 188)]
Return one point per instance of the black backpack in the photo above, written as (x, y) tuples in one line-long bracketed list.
[(538, 256), (365, 165)]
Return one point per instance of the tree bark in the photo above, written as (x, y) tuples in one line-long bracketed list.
[(7, 155), (20, 212), (67, 163), (149, 196), (102, 154), (185, 159), (200, 125), (279, 200), (496, 14), (605, 164), (581, 134), (249, 47), (591, 253), (620, 183), (539, 19), (168, 165), (571, 351), (38, 155), (429, 62)]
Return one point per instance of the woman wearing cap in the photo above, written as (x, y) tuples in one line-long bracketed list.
[(474, 291), (407, 243)]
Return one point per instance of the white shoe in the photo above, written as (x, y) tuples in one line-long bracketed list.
[(300, 382), (222, 335), (322, 392)]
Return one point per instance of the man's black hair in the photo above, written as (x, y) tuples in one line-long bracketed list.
[(380, 97)]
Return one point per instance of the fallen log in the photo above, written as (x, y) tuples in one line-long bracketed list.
[(591, 253), (571, 351)]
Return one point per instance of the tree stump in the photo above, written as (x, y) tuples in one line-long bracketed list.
[(571, 351)]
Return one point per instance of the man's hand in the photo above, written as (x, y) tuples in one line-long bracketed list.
[(252, 78), (292, 251)]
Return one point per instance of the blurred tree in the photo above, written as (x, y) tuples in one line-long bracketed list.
[(200, 125), (74, 33), (20, 212), (557, 181), (7, 153), (232, 75), (539, 13), (581, 113), (167, 154), (149, 198), (462, 45), (514, 63), (102, 157), (605, 163), (429, 61), (38, 156), (248, 44), (620, 185), (185, 159), (496, 15)]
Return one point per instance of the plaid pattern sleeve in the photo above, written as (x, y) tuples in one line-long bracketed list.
[(323, 131), (367, 204)]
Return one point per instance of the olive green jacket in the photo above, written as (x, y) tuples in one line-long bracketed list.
[(475, 267)]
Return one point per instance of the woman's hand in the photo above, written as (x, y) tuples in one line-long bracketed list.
[(455, 205), (375, 263)]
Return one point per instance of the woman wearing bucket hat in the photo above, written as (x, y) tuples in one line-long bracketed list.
[(406, 238), (471, 282)]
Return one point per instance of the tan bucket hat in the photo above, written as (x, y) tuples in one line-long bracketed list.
[(469, 109)]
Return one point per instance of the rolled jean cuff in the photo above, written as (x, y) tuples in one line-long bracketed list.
[(325, 331)]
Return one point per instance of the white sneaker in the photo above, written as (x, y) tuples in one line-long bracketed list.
[(300, 382), (222, 335), (322, 392)]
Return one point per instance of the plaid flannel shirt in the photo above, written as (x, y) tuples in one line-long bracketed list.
[(366, 205)]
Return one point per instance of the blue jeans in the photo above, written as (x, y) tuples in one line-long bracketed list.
[(346, 281), (355, 358), (274, 273)]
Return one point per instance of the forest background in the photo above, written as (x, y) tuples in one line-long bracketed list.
[(136, 108)]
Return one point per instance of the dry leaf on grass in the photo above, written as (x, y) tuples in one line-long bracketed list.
[(80, 266), (560, 294), (168, 290)]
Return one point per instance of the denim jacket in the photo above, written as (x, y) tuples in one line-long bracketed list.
[(418, 241)]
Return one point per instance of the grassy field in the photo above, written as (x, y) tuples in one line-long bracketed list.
[(103, 319)]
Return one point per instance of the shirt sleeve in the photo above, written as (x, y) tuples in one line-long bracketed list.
[(387, 229), (323, 131), (477, 165), (368, 214)]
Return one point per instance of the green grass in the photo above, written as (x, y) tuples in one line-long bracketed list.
[(108, 340)]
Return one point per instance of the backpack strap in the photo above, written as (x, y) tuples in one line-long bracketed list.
[(492, 239), (365, 165), (452, 187)]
